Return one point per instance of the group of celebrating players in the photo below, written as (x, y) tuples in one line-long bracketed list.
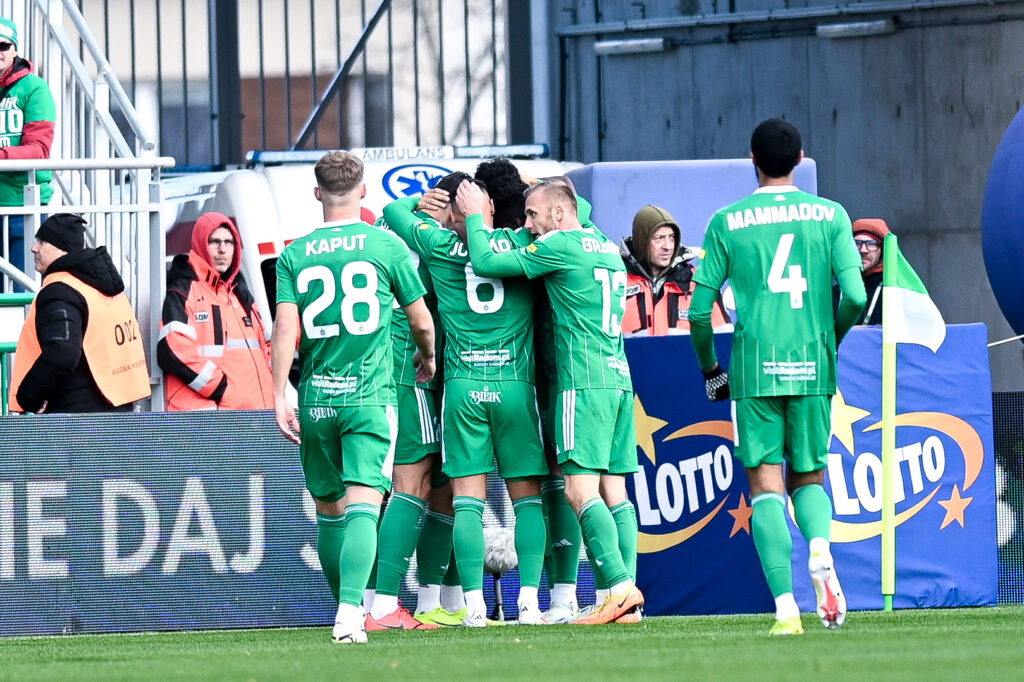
[(506, 277)]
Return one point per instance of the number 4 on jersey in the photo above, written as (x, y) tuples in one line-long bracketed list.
[(783, 281)]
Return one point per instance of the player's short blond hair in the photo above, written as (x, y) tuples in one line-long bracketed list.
[(553, 193), (339, 172)]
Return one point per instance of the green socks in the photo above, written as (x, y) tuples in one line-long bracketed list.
[(434, 550), (358, 552), (330, 536), (468, 541), (529, 539), (564, 538), (451, 576), (773, 541), (396, 541), (602, 539), (813, 510), (624, 514)]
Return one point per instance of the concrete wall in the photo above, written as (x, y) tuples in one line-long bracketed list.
[(902, 126)]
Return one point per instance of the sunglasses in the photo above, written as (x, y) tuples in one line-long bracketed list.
[(868, 244), (6, 46)]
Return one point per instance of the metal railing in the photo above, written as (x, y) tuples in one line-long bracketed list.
[(104, 161), (125, 219)]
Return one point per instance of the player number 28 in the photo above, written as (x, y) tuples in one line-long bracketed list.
[(783, 280), (351, 295)]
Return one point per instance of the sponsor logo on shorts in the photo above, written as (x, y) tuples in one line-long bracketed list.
[(485, 396), (202, 317), (315, 414)]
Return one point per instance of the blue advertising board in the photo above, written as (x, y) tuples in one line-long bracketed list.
[(693, 502), (129, 522)]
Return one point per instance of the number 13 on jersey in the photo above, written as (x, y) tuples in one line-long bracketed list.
[(613, 287)]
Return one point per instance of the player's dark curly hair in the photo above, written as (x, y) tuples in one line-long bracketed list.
[(506, 191), (776, 147)]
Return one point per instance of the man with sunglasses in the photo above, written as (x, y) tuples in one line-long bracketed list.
[(26, 132)]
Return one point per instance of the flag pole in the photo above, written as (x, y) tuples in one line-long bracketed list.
[(889, 270)]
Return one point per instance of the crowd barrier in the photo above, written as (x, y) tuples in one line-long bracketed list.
[(128, 522)]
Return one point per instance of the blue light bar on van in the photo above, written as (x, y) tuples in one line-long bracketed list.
[(509, 151)]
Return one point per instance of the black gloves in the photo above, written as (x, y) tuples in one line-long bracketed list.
[(716, 383)]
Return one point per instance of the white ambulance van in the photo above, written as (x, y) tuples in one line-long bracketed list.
[(273, 204)]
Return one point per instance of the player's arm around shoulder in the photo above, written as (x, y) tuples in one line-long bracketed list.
[(400, 216), (486, 262)]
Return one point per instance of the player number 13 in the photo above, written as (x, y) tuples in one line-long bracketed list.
[(783, 280), (613, 285)]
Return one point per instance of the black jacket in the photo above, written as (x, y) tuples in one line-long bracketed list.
[(60, 375), (872, 313)]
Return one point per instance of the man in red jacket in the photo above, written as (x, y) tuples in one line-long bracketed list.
[(213, 347)]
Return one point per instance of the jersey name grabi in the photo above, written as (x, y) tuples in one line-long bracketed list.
[(785, 213)]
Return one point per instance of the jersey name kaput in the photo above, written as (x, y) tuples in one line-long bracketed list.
[(354, 242)]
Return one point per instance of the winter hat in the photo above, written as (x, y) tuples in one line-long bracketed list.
[(645, 223), (66, 231), (8, 30), (874, 228)]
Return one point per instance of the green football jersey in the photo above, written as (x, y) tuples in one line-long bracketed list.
[(488, 323), (403, 347), (543, 316), (780, 248), (586, 284), (344, 277)]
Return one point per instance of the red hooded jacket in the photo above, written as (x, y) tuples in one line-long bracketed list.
[(213, 347)]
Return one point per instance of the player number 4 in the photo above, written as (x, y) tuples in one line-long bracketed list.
[(787, 281)]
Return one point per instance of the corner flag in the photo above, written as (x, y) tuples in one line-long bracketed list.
[(908, 316), (914, 317)]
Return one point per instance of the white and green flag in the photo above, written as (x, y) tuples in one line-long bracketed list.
[(909, 315)]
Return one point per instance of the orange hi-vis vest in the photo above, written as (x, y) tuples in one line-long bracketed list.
[(644, 317), (112, 345)]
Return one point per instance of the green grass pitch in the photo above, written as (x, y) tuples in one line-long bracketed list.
[(932, 644)]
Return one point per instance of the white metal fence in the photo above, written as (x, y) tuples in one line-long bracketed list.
[(105, 164)]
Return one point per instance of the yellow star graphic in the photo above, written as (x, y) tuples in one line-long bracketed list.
[(645, 427), (843, 417), (954, 507), (741, 516)]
